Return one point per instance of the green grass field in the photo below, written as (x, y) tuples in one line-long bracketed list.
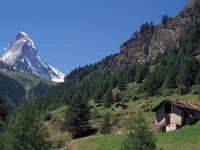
[(187, 138)]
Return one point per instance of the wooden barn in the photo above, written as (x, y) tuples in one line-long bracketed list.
[(171, 115)]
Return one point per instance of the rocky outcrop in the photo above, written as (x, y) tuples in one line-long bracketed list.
[(149, 43)]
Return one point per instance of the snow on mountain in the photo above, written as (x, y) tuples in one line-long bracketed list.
[(22, 55)]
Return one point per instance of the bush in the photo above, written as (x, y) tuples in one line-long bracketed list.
[(182, 90), (140, 137), (167, 92), (106, 125), (144, 95), (118, 97), (134, 97), (47, 117), (195, 89)]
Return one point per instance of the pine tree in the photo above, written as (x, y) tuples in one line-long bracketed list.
[(144, 27), (161, 75), (3, 115), (108, 98), (25, 130), (139, 136), (151, 84), (164, 19), (77, 117), (171, 69), (3, 110), (122, 84), (106, 125), (198, 77), (187, 71), (141, 72), (198, 47), (130, 74)]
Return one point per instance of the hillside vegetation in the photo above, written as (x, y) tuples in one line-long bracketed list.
[(189, 134), (183, 139)]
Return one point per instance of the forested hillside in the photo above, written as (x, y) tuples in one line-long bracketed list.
[(11, 90), (175, 69), (17, 87)]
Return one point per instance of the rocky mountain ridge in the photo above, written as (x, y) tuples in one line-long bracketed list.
[(149, 43)]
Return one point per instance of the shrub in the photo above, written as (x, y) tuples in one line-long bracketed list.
[(144, 95), (167, 92), (195, 89), (140, 137), (47, 117), (182, 90), (106, 125), (134, 97)]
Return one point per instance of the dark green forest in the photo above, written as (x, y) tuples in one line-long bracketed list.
[(11, 90)]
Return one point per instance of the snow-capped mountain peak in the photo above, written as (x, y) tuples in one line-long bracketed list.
[(22, 55)]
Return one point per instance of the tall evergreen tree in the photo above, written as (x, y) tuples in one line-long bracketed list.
[(171, 69), (187, 71), (151, 84), (108, 98), (77, 117), (141, 72), (160, 77), (3, 115), (122, 84), (164, 19), (106, 124), (197, 80), (3, 110), (25, 130)]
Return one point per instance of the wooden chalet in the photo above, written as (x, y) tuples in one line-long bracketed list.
[(171, 115), (120, 106)]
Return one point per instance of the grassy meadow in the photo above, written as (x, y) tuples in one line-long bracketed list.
[(185, 138)]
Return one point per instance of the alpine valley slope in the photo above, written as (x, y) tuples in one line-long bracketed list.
[(22, 56)]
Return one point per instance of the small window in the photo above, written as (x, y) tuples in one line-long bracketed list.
[(167, 108)]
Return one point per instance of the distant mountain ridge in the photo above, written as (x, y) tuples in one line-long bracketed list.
[(21, 55)]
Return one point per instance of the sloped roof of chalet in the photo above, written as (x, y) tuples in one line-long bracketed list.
[(120, 104), (186, 105)]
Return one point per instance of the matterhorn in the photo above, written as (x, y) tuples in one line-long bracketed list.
[(22, 56)]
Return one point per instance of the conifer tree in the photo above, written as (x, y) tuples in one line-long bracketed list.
[(3, 110), (164, 20), (77, 117), (3, 115), (106, 125), (187, 71), (25, 130), (122, 84), (141, 72), (160, 78), (108, 98), (139, 136), (197, 80), (151, 84)]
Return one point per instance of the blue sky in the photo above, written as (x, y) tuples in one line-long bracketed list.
[(72, 33)]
